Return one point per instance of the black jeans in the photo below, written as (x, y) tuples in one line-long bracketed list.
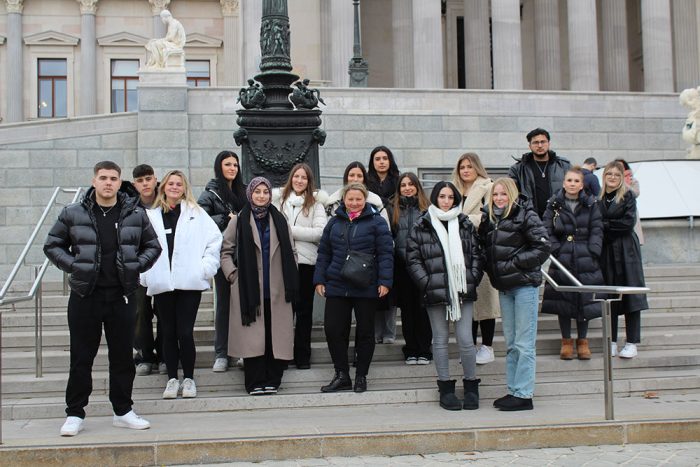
[(223, 303), (178, 312), (633, 327), (337, 322), (86, 317), (488, 329), (264, 370), (150, 349), (565, 328), (415, 323), (303, 312)]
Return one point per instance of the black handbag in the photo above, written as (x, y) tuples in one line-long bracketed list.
[(359, 268)]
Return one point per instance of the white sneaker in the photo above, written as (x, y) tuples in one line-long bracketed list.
[(143, 369), (220, 365), (130, 420), (628, 351), (484, 355), (411, 361), (613, 349), (423, 361), (72, 426), (189, 389), (171, 389)]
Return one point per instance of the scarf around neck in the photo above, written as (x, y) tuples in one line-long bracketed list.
[(451, 243)]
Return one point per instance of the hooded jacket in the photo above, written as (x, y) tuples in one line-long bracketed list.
[(524, 177), (73, 244)]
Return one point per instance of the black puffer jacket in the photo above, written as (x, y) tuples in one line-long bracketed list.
[(72, 244), (409, 215), (524, 177), (213, 203), (515, 247), (426, 261), (577, 240)]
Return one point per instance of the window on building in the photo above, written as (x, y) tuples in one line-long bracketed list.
[(124, 80), (53, 88), (197, 73)]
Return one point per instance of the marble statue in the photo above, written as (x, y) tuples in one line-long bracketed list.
[(172, 45), (690, 99)]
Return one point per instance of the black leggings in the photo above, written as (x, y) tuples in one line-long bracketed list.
[(488, 329), (178, 311), (303, 312), (565, 327)]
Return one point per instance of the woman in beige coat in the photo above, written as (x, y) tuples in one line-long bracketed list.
[(259, 260), (472, 181)]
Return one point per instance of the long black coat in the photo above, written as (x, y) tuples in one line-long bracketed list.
[(426, 260), (577, 241), (621, 259)]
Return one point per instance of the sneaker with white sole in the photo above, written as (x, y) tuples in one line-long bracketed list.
[(171, 389), (189, 389), (412, 361), (613, 349), (258, 391), (484, 355), (131, 420), (423, 361), (628, 351), (220, 365), (72, 426), (143, 369)]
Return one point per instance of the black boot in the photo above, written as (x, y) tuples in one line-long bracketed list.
[(471, 394), (515, 403), (448, 400), (340, 382), (360, 384)]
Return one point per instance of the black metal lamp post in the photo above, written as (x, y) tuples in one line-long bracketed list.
[(358, 68)]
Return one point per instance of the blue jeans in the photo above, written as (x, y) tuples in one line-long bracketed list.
[(519, 316)]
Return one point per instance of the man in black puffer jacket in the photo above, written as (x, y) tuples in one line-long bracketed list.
[(103, 242)]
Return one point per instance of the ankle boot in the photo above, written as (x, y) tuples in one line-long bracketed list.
[(567, 349), (340, 382), (582, 350), (471, 394), (448, 400)]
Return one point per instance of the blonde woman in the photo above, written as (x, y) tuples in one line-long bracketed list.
[(191, 242), (474, 184)]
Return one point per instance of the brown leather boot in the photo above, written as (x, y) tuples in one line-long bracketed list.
[(567, 349), (582, 350)]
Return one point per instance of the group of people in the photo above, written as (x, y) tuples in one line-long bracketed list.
[(467, 253)]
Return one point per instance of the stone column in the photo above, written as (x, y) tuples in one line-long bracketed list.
[(547, 52), (232, 74), (507, 48), (336, 41), (477, 44), (657, 47), (583, 45), (685, 44), (88, 60), (15, 62), (428, 68), (251, 16), (402, 42), (156, 7), (616, 69)]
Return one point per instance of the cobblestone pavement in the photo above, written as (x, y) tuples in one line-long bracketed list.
[(676, 455)]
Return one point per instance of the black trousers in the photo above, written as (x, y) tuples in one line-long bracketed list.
[(633, 327), (303, 312), (488, 329), (565, 328), (265, 370), (150, 348), (223, 304), (86, 317), (415, 323), (178, 312), (337, 322)]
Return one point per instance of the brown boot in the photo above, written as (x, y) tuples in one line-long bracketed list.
[(567, 349), (582, 350)]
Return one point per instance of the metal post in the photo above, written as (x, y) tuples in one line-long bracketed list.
[(38, 329), (607, 361)]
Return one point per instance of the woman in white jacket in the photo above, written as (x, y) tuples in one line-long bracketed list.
[(191, 244), (303, 207)]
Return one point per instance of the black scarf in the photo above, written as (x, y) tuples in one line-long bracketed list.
[(248, 283)]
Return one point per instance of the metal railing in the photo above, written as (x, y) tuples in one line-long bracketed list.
[(35, 291), (613, 293)]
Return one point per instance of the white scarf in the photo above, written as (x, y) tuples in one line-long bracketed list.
[(292, 206), (454, 256)]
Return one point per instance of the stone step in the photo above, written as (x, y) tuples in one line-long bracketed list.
[(671, 271)]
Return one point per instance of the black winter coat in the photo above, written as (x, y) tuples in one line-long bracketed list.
[(72, 244), (515, 247), (368, 233), (213, 203), (426, 261), (524, 177), (409, 215), (621, 259), (577, 240)]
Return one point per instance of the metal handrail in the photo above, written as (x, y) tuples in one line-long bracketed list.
[(607, 290)]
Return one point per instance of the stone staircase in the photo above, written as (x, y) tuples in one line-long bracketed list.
[(668, 363)]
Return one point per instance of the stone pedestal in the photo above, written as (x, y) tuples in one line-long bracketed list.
[(163, 127)]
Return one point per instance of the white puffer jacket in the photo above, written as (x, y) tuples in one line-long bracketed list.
[(195, 256), (372, 198), (306, 229)]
